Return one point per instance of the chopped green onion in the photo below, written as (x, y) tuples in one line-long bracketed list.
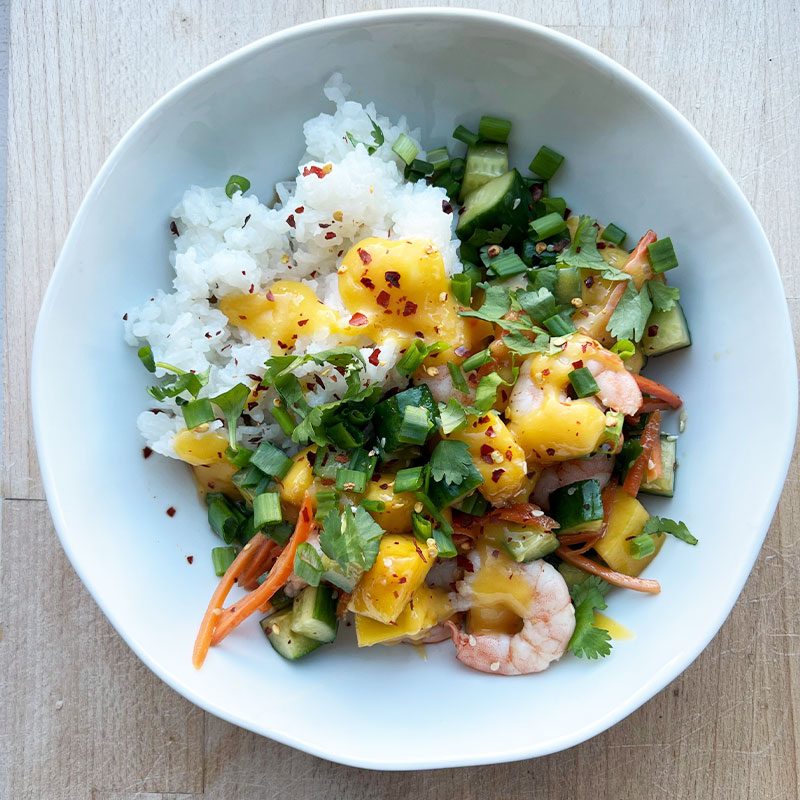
[(239, 457), (284, 418), (583, 382), (642, 546), (327, 500), (614, 234), (342, 437), (221, 559), (266, 509), (475, 505), (434, 510), (461, 287), (224, 518), (351, 480), (548, 225), (416, 425), (450, 185), (559, 324), (405, 148), (662, 255), (546, 162), (377, 506), (507, 264), (439, 158), (493, 129), (146, 357), (477, 360), (411, 479), (423, 528), (271, 461), (196, 412), (363, 461), (308, 564), (327, 461), (444, 544), (624, 348), (413, 176), (458, 167), (236, 183), (423, 167), (416, 353), (457, 376), (465, 135), (554, 204)]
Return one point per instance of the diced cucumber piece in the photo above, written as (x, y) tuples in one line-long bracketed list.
[(314, 613), (332, 572), (443, 494), (484, 162), (284, 640), (278, 602), (501, 201), (637, 362), (577, 507), (389, 414), (665, 485), (568, 284), (666, 331), (529, 545)]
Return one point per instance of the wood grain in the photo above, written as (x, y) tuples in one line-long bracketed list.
[(81, 717)]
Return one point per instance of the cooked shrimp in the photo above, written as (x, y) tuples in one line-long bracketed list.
[(441, 386), (599, 466), (537, 593)]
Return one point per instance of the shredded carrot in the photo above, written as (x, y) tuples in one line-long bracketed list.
[(608, 574), (523, 514), (657, 470), (259, 564), (341, 605), (233, 616), (651, 432), (211, 617), (658, 391)]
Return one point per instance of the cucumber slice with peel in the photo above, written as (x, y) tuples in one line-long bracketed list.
[(484, 162), (284, 640), (314, 613)]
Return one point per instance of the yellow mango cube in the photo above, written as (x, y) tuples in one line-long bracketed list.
[(298, 479), (396, 517), (626, 520), (399, 570), (426, 609)]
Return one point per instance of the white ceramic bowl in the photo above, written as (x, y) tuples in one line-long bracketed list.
[(631, 158)]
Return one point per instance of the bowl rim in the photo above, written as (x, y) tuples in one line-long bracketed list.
[(671, 669)]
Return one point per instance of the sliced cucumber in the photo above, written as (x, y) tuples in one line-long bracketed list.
[(484, 162), (501, 201), (529, 545), (666, 331), (332, 572), (665, 485), (568, 284), (577, 507), (284, 640), (314, 613)]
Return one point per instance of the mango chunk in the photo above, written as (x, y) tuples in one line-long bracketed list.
[(298, 479), (426, 609), (396, 518)]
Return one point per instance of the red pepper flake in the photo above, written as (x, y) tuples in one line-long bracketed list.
[(299, 210), (509, 455), (392, 278), (550, 451), (171, 511), (545, 372), (174, 228), (652, 330), (373, 358), (246, 220), (306, 515), (577, 364), (319, 381), (384, 486), (341, 458), (395, 594), (409, 310), (327, 481), (446, 207), (461, 351), (358, 320), (464, 563), (584, 346), (601, 245), (330, 235), (302, 322), (147, 452), (497, 474), (125, 316), (368, 283), (324, 224), (252, 288), (490, 432), (290, 221), (403, 579), (270, 296), (364, 255), (241, 316), (383, 299), (318, 171), (282, 345), (483, 420), (190, 559), (537, 190), (486, 453), (589, 282)]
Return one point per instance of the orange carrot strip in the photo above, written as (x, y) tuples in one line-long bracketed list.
[(258, 565), (657, 470), (651, 432), (237, 613), (658, 390), (211, 617), (608, 574)]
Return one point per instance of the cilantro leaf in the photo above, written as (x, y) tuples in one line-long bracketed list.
[(613, 274), (539, 304), (588, 640), (494, 307), (582, 251), (487, 389), (664, 297), (451, 461), (630, 316), (521, 345), (544, 277), (663, 525), (181, 381), (231, 404), (377, 133), (452, 417), (495, 236), (350, 538)]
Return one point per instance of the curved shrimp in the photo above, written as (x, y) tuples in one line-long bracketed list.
[(441, 386), (548, 620), (598, 467)]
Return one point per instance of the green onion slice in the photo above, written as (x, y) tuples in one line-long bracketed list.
[(411, 479), (405, 148), (662, 255), (308, 564), (266, 509), (614, 234), (351, 480), (236, 183), (548, 225), (493, 129), (271, 461), (546, 162), (416, 425), (221, 559), (583, 382), (465, 135)]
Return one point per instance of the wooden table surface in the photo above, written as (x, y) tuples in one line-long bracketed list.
[(80, 716)]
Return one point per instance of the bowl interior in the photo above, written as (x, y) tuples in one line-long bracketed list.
[(631, 159)]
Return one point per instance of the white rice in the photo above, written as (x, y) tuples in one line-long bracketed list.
[(232, 244)]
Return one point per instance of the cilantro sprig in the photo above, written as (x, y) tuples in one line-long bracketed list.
[(451, 461), (351, 538), (377, 137), (663, 525), (588, 640)]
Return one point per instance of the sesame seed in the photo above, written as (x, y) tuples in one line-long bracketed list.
[(577, 302), (472, 640), (442, 297), (276, 629), (494, 666), (418, 507), (432, 371)]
